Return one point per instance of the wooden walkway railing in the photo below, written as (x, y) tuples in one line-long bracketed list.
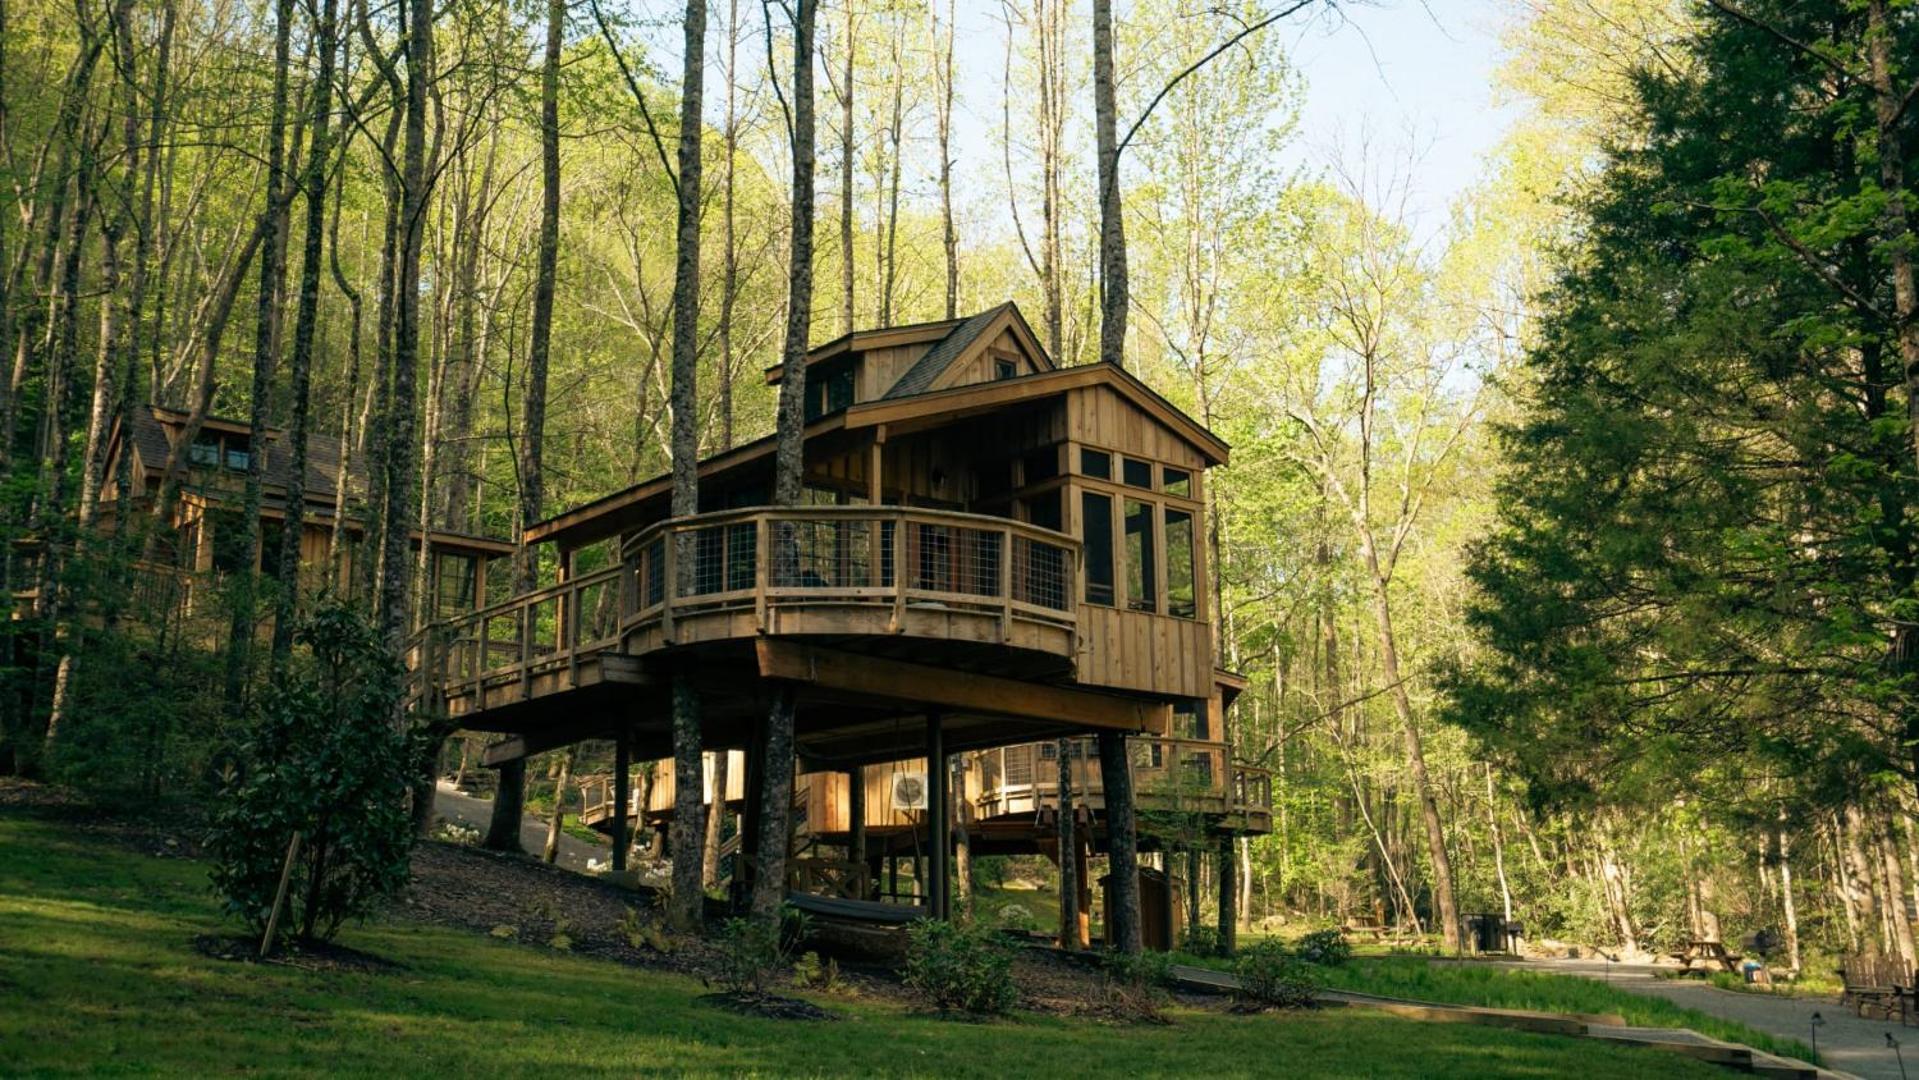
[(867, 566), (1169, 773)]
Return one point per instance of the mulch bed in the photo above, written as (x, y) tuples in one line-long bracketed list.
[(521, 898), (770, 1006), (307, 956)]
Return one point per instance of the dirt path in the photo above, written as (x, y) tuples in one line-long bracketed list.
[(1846, 1042)]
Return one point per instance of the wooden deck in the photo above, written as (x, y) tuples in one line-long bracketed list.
[(893, 576)]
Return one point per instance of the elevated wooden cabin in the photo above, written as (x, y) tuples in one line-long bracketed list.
[(992, 551), (206, 521)]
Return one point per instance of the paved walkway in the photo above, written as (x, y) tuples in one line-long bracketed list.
[(453, 805), (1846, 1042)]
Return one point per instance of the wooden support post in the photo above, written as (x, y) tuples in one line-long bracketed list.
[(1081, 857), (747, 861), (939, 832), (856, 814), (1228, 897), (1116, 778), (622, 798), (280, 897)]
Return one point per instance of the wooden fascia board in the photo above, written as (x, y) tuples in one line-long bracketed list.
[(941, 688), (990, 395)]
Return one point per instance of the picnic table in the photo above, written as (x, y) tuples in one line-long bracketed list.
[(1701, 955), (1364, 924)]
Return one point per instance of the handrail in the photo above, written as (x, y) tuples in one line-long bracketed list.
[(1228, 782), (769, 559), (933, 515)]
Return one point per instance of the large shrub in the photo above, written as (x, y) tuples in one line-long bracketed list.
[(324, 760), (1271, 977), (1327, 947), (960, 968)]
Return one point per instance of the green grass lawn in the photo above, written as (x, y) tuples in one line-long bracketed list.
[(1456, 983), (98, 976)]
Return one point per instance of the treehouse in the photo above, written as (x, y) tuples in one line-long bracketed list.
[(992, 553), (207, 534)]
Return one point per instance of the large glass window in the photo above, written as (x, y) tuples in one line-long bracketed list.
[(1142, 592), (1138, 473), (1096, 528), (1180, 598), (1096, 463)]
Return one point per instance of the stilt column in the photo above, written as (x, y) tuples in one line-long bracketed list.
[(622, 799), (939, 832)]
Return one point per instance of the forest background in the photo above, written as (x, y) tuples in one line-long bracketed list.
[(1565, 543)]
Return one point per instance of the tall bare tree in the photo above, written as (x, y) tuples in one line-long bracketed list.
[(776, 774), (689, 808), (503, 831)]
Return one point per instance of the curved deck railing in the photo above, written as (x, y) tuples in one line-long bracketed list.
[(744, 572)]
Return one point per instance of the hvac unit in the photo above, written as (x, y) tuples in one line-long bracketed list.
[(909, 791)]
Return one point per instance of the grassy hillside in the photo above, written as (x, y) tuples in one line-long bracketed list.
[(99, 975)]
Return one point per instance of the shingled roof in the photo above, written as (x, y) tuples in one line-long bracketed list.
[(922, 375), (323, 453)]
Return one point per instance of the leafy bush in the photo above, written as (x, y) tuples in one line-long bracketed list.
[(1325, 947), (324, 761), (1201, 941), (752, 951), (1149, 968), (958, 968), (1014, 916), (810, 971), (749, 955), (1271, 977)]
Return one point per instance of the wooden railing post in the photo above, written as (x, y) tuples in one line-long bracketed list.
[(669, 582), (762, 574), (1005, 584), (898, 625), (571, 612), (526, 651)]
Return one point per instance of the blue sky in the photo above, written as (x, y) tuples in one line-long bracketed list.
[(1409, 74)]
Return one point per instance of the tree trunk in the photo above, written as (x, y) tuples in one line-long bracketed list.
[(266, 336), (1112, 231), (1228, 898), (730, 270), (319, 157), (503, 834), (397, 518), (1069, 883), (1116, 776), (1448, 913), (948, 238), (557, 821), (715, 823), (962, 843), (1787, 905), (1499, 847), (1895, 899), (846, 179), (688, 808), (776, 773)]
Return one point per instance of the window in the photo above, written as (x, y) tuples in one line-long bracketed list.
[(1138, 473), (1180, 598), (230, 554), (1176, 482), (1096, 530), (1004, 369), (828, 390), (238, 457), (1043, 510), (1042, 464), (1097, 464), (458, 577), (1142, 592), (205, 450), (1189, 719)]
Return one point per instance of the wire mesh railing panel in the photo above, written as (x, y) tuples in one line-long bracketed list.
[(653, 572), (725, 558), (823, 555), (1040, 573), (953, 559)]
